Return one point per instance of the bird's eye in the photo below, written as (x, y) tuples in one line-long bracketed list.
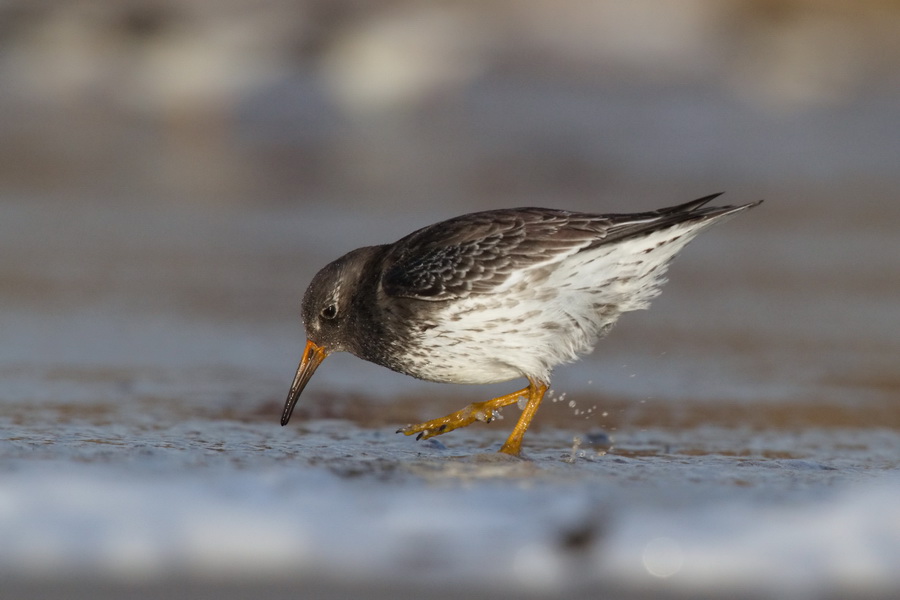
[(329, 312)]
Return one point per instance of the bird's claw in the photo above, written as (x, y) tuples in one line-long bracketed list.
[(427, 434), (461, 418)]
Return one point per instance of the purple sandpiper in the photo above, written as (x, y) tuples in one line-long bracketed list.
[(493, 296)]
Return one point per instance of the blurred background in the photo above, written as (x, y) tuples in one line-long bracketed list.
[(173, 173), (470, 103)]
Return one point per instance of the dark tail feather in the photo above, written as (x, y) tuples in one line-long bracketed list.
[(687, 206), (716, 211), (631, 225)]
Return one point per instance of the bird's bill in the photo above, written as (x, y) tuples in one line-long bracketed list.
[(313, 355)]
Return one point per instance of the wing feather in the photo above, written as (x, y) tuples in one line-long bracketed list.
[(478, 252)]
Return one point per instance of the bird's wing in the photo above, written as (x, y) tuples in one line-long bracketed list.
[(477, 253)]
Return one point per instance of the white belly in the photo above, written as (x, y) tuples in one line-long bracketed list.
[(547, 315)]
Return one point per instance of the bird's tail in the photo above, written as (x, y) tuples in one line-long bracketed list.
[(635, 224)]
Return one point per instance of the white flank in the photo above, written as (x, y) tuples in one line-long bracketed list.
[(548, 314)]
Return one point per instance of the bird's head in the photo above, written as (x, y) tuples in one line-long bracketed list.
[(326, 310)]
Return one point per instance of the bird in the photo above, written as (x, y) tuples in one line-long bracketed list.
[(493, 296)]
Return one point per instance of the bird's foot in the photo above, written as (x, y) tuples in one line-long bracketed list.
[(477, 411)]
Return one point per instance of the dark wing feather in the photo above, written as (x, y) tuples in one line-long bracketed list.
[(476, 253)]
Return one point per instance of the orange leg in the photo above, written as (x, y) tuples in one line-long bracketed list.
[(484, 411), (536, 391)]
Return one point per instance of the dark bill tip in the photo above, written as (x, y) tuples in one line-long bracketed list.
[(313, 356)]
